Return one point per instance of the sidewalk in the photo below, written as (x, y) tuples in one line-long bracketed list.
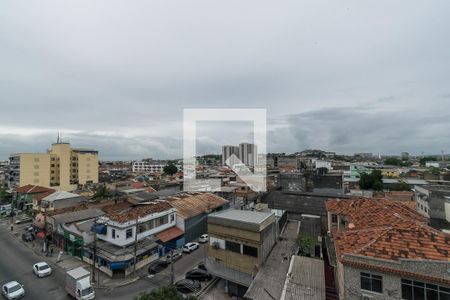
[(69, 262)]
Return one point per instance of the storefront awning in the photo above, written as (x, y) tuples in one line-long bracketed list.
[(169, 234)]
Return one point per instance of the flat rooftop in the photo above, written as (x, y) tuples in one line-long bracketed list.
[(247, 216), (243, 219)]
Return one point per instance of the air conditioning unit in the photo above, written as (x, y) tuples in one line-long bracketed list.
[(216, 245), (366, 297)]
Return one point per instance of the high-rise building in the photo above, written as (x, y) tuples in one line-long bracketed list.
[(61, 168), (248, 154), (227, 152)]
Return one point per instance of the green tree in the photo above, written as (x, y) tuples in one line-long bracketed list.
[(102, 192), (392, 161), (306, 244), (372, 181), (170, 169), (164, 293), (423, 160), (401, 186), (5, 197)]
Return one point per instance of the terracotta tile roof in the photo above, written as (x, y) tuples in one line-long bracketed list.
[(169, 234), (139, 211), (192, 204), (402, 273), (78, 207), (399, 195), (372, 213), (384, 229), (33, 189), (41, 196)]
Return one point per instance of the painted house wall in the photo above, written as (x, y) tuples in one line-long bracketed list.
[(116, 232)]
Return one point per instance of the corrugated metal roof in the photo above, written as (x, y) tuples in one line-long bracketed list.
[(305, 280), (268, 283), (77, 216), (169, 234), (192, 204)]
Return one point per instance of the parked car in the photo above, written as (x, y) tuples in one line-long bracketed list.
[(42, 269), (204, 238), (174, 256), (187, 286), (189, 247), (198, 274), (202, 266), (24, 220), (13, 290), (28, 237), (157, 266)]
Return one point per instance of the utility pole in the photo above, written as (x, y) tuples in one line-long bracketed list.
[(135, 244), (172, 275), (94, 252)]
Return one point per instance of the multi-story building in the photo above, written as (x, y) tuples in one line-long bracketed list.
[(433, 201), (124, 226), (149, 167), (383, 250), (227, 152), (61, 168), (248, 154), (239, 243)]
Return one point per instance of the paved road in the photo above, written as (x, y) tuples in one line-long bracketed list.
[(186, 263), (16, 261)]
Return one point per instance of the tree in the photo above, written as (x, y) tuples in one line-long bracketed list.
[(306, 244), (393, 161), (4, 195), (164, 293), (372, 181), (102, 192), (401, 186), (423, 160), (170, 169)]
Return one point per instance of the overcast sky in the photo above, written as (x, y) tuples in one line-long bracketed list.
[(342, 76)]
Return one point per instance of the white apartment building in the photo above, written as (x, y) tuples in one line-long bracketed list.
[(120, 229), (227, 152), (248, 154), (147, 167)]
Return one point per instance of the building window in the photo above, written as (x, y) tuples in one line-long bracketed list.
[(416, 290), (233, 247), (36, 166), (334, 218), (162, 220), (371, 282), (129, 233), (113, 233), (172, 218), (252, 251), (36, 159)]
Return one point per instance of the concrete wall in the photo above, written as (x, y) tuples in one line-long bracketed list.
[(87, 168), (353, 291), (120, 232), (35, 169)]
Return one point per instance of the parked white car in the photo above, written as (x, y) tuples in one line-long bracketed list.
[(13, 290), (189, 247), (42, 269), (204, 238)]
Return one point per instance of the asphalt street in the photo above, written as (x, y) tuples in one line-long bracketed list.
[(16, 261)]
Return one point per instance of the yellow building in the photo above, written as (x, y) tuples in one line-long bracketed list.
[(61, 168)]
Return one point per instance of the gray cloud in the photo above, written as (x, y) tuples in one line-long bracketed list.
[(118, 74)]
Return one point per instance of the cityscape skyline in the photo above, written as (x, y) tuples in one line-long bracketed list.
[(361, 77)]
